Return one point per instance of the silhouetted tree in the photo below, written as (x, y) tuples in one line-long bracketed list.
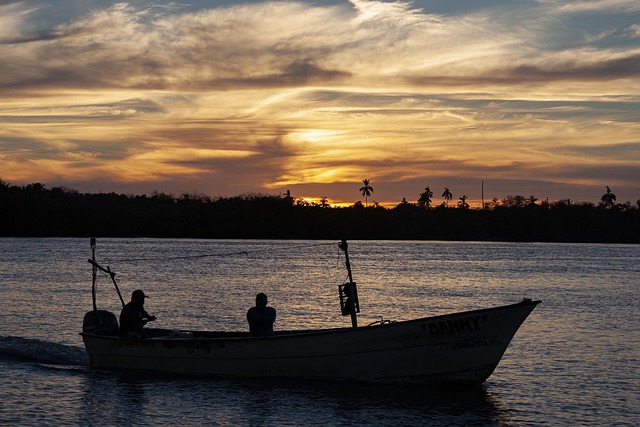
[(532, 200), (463, 202), (608, 199), (323, 202), (493, 203), (425, 198), (287, 197), (516, 201), (562, 203), (33, 210), (366, 190), (447, 195)]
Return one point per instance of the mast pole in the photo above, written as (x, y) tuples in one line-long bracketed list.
[(351, 292), (92, 242), (344, 246)]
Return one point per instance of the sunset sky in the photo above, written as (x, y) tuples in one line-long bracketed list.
[(537, 97)]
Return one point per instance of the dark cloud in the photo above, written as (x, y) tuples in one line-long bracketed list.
[(23, 148), (597, 71), (620, 151), (105, 73), (34, 37), (306, 71), (612, 69), (27, 149), (86, 112), (104, 150), (607, 174), (267, 163), (43, 79), (299, 73)]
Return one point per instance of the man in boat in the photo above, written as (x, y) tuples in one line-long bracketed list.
[(261, 317), (133, 316)]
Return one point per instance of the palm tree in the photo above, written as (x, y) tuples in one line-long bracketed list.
[(323, 202), (608, 198), (463, 202), (366, 190), (532, 199), (425, 198), (288, 198), (447, 195)]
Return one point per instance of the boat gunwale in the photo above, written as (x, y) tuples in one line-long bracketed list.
[(288, 334)]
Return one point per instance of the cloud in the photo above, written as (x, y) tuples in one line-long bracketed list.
[(255, 45), (581, 6), (627, 66), (265, 95), (8, 2), (289, 44), (634, 30), (620, 151), (105, 111)]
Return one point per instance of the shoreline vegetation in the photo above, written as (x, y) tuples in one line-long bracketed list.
[(35, 211)]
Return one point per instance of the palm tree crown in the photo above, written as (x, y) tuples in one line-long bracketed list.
[(463, 202), (447, 195), (366, 190), (425, 198), (608, 198)]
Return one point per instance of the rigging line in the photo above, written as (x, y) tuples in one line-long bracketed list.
[(219, 254)]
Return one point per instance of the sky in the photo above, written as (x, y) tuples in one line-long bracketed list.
[(224, 98)]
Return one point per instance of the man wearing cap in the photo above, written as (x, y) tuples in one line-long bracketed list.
[(133, 316), (261, 317)]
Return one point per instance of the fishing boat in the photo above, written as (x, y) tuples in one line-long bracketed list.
[(457, 348)]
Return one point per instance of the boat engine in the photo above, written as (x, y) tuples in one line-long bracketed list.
[(100, 322)]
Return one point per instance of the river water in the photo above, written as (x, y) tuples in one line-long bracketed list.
[(575, 360)]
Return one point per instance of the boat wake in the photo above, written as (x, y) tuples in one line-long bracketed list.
[(40, 351)]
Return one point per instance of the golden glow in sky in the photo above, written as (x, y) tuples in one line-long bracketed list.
[(224, 98)]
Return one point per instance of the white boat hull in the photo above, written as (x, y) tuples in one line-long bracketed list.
[(463, 347)]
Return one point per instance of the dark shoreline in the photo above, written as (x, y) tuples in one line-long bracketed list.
[(34, 211)]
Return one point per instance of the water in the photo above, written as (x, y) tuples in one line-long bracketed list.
[(575, 361)]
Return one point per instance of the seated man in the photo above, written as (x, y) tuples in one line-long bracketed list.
[(261, 317), (133, 316)]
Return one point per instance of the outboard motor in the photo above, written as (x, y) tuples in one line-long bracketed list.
[(105, 323)]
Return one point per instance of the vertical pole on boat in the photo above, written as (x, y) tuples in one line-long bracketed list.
[(350, 289), (95, 273), (92, 242), (344, 246)]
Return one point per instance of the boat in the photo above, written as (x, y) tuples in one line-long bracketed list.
[(457, 348)]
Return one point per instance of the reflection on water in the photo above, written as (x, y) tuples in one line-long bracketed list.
[(140, 398)]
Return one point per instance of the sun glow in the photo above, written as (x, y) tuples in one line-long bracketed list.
[(316, 136)]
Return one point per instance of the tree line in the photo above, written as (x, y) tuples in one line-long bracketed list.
[(36, 211)]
